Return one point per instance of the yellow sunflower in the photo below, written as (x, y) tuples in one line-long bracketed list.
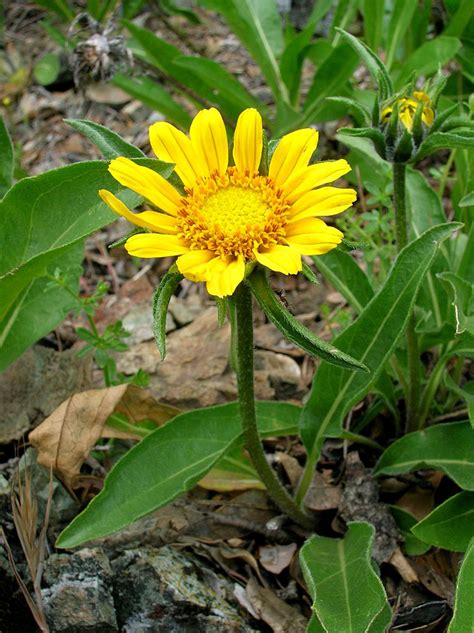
[(407, 109), (231, 215)]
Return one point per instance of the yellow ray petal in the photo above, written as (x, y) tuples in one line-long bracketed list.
[(314, 176), (147, 219), (312, 236), (209, 140), (282, 259), (323, 201), (291, 154), (195, 265), (171, 145), (315, 229), (225, 275), (248, 141), (153, 245), (147, 183)]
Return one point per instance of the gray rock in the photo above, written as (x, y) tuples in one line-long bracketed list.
[(78, 593), (35, 385), (164, 591)]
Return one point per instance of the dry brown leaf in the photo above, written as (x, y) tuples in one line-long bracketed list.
[(437, 571), (65, 438), (272, 610), (276, 558), (322, 493), (403, 567), (291, 465)]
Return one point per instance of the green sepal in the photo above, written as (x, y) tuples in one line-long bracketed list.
[(417, 129), (348, 245), (376, 112), (404, 148), (374, 135), (457, 123), (391, 131), (122, 240), (310, 275), (161, 299), (443, 117), (264, 161), (374, 64), (359, 114), (445, 140), (437, 86), (221, 305), (295, 331)]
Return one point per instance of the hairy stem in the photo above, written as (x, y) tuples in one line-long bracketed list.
[(413, 353), (245, 379)]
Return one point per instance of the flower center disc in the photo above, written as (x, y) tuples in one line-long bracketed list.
[(233, 214), (234, 208)]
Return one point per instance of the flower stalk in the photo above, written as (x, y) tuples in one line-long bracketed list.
[(245, 379), (413, 352)]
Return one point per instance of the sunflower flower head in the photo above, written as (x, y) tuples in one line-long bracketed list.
[(231, 214), (407, 108)]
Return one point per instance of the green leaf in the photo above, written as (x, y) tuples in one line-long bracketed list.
[(374, 65), (460, 293), (450, 525), (293, 56), (373, 11), (428, 58), (405, 521), (467, 200), (400, 20), (374, 135), (447, 447), (292, 328), (153, 95), (40, 216), (225, 87), (7, 164), (373, 337), (347, 593), (463, 616), (109, 143), (445, 140), (258, 26), (347, 277), (466, 392), (167, 462), (42, 304), (333, 73), (359, 113), (161, 299), (425, 211), (46, 70)]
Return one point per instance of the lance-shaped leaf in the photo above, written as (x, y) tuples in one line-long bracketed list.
[(152, 94), (109, 143), (447, 447), (374, 64), (374, 135), (258, 26), (295, 331), (462, 299), (450, 525), (372, 338), (463, 616), (7, 163), (167, 462), (343, 272), (463, 139), (347, 593), (161, 299)]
